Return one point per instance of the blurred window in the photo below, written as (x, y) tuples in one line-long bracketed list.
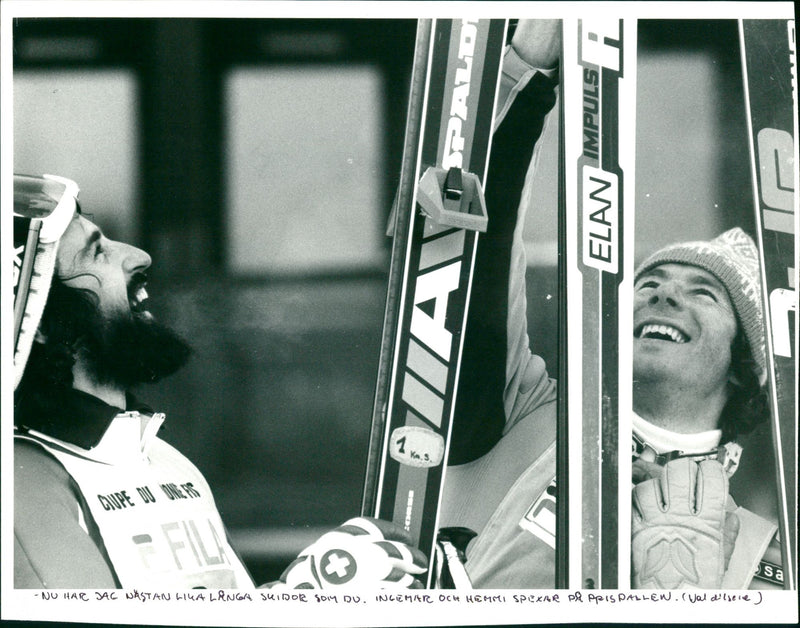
[(304, 168), (82, 124)]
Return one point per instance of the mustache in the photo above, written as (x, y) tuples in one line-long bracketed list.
[(138, 280)]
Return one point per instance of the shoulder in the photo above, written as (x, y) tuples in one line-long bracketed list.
[(43, 490), (161, 453), (166, 457), (36, 472), (55, 543)]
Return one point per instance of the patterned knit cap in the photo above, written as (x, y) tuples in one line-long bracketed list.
[(43, 208), (732, 258)]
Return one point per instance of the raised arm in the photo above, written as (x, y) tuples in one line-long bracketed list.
[(500, 378)]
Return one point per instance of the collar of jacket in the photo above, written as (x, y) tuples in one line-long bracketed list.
[(656, 444), (91, 425)]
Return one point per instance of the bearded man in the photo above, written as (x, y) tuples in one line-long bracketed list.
[(100, 501)]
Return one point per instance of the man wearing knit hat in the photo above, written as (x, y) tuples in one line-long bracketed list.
[(100, 501), (721, 276), (699, 374), (698, 369)]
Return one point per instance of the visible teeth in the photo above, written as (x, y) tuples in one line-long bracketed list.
[(139, 297), (663, 330)]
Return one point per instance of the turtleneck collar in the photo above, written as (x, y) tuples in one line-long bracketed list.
[(664, 441), (656, 444)]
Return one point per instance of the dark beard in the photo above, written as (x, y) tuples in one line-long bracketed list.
[(133, 350), (126, 352)]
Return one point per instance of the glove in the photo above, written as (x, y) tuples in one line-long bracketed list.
[(644, 470), (682, 537), (362, 552)]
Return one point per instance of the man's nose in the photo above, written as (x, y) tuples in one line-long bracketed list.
[(134, 259), (666, 293)]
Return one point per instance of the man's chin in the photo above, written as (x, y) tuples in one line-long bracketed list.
[(137, 350), (648, 365)]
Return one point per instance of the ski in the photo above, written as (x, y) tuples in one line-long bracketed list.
[(398, 229), (769, 66), (599, 93), (562, 411), (439, 210)]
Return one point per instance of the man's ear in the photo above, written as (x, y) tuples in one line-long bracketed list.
[(40, 337)]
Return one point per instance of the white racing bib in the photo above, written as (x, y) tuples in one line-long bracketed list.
[(158, 520)]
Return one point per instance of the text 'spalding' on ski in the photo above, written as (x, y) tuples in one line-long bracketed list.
[(454, 198)]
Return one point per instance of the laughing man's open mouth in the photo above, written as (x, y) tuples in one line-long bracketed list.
[(137, 294), (661, 332)]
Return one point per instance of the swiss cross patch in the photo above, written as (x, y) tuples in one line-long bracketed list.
[(337, 566)]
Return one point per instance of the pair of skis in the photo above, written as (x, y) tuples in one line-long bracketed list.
[(599, 72), (439, 211), (438, 215), (426, 313)]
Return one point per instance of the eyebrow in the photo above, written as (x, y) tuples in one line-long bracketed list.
[(93, 238), (704, 280), (701, 279)]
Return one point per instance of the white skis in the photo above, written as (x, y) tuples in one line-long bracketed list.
[(599, 94)]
